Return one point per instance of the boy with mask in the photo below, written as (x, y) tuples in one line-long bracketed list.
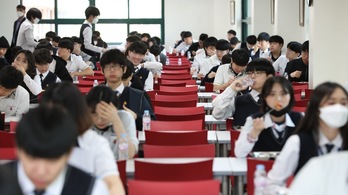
[(20, 13)]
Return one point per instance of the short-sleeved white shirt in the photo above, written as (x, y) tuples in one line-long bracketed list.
[(76, 64)]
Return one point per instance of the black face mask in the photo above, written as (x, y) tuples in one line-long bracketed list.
[(278, 113)]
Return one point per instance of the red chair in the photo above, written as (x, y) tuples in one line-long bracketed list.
[(151, 94), (229, 123), (185, 171), (251, 167), (205, 187), (209, 87), (92, 78), (84, 90), (177, 97), (187, 81), (299, 109), (180, 114), (176, 125), (300, 85), (13, 126), (234, 137), (178, 84), (177, 77), (121, 165), (190, 151), (174, 72), (177, 103), (308, 93), (176, 138), (167, 90), (7, 140), (297, 94), (8, 154), (302, 103)]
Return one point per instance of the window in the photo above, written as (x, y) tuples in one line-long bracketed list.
[(117, 17)]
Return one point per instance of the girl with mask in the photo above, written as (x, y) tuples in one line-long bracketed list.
[(269, 129), (323, 130)]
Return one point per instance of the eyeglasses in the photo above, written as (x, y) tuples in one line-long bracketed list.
[(112, 67), (256, 73)]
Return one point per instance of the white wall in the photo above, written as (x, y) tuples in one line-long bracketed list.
[(8, 16), (261, 17)]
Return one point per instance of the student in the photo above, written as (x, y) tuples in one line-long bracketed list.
[(136, 53), (210, 76), (269, 129), (276, 43), (222, 48), (230, 34), (178, 42), (131, 39), (100, 42), (113, 65), (110, 122), (293, 51), (261, 49), (50, 35), (20, 13), (197, 45), (55, 41), (42, 162), (3, 49), (156, 51), (322, 175), (149, 57), (92, 152), (321, 131), (25, 37), (78, 52), (43, 59), (14, 99), (145, 37), (226, 73), (25, 62), (75, 65), (86, 34), (235, 43), (249, 44), (297, 70), (129, 79), (187, 41), (205, 53), (240, 107)]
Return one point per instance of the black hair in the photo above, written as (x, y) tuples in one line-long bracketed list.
[(44, 44), (311, 118), (129, 70), (66, 43), (210, 41), (305, 46), (234, 41), (133, 38), (20, 7), (158, 40), (222, 45), (138, 47), (31, 70), (96, 33), (251, 39), (51, 34), (147, 44), (232, 32), (98, 94), (91, 11), (34, 13), (68, 96), (203, 36), (133, 33), (182, 34), (261, 64), (113, 56), (240, 57), (226, 59), (4, 43), (10, 77), (46, 132), (155, 50), (267, 89), (76, 40), (187, 34), (145, 35), (295, 46), (276, 39), (56, 39), (263, 36), (42, 56)]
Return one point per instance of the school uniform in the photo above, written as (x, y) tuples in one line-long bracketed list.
[(75, 64), (57, 66), (260, 54), (294, 65), (272, 138), (129, 126), (199, 58), (16, 26), (70, 181), (86, 35), (3, 62), (207, 79), (16, 103), (280, 64), (224, 74), (145, 76), (25, 38), (208, 64), (182, 46), (47, 78), (298, 149)]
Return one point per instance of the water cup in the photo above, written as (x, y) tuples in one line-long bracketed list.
[(246, 81)]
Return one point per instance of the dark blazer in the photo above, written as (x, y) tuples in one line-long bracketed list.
[(15, 32), (60, 70)]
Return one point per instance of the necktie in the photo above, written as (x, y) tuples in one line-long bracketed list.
[(329, 147), (259, 101), (41, 76), (39, 192), (280, 135), (117, 93)]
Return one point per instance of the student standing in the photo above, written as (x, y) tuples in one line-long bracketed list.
[(20, 13)]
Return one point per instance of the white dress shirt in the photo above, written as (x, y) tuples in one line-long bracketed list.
[(87, 39), (56, 186), (34, 85), (223, 74), (44, 76), (25, 38), (243, 147), (15, 104), (129, 125), (223, 104), (148, 86), (280, 64), (94, 155), (153, 66), (322, 175), (149, 57), (199, 58), (208, 64), (287, 161), (76, 64), (182, 46)]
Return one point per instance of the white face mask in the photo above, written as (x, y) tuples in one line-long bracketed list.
[(36, 20), (95, 20), (20, 14), (334, 116)]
